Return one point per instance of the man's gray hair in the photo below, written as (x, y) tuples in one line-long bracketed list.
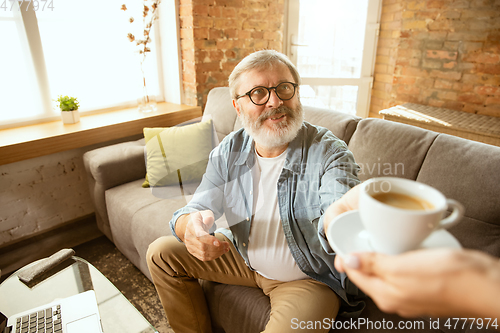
[(261, 60)]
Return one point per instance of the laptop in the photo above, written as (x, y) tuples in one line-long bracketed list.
[(74, 314)]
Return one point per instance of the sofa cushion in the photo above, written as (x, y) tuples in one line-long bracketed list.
[(134, 211), (385, 148), (342, 125), (477, 234), (220, 108), (466, 171), (177, 154)]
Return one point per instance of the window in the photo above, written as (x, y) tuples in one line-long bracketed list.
[(76, 48), (332, 43)]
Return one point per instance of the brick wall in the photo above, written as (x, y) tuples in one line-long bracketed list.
[(443, 53), (42, 193), (217, 34)]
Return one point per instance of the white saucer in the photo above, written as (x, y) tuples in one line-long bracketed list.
[(346, 234)]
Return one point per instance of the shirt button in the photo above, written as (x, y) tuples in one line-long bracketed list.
[(244, 245), (248, 219), (250, 192)]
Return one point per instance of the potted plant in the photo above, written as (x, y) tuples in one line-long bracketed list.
[(69, 109)]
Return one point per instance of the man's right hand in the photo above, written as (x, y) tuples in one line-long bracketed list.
[(193, 229)]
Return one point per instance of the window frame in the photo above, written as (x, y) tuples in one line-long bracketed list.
[(365, 82), (169, 72)]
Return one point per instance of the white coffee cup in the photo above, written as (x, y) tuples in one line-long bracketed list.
[(393, 229)]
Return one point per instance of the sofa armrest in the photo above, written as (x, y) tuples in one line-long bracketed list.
[(111, 166)]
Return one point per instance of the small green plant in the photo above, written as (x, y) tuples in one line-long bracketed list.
[(67, 103)]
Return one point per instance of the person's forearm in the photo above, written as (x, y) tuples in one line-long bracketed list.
[(180, 226)]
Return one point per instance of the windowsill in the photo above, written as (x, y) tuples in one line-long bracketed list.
[(17, 144)]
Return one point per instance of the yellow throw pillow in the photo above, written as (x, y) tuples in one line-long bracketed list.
[(177, 154)]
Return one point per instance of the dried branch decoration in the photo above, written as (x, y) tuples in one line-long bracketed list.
[(149, 15)]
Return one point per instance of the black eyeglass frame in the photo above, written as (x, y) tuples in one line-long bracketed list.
[(295, 85)]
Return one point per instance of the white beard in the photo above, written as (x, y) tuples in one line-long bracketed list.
[(281, 133)]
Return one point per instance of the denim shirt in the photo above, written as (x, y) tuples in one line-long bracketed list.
[(317, 171)]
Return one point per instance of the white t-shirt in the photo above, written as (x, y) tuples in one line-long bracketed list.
[(268, 251)]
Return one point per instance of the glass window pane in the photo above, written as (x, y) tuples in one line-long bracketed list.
[(20, 99), (334, 31), (338, 98), (88, 54)]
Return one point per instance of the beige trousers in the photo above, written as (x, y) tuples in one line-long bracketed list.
[(176, 272)]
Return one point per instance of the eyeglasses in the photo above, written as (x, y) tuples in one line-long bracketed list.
[(260, 95)]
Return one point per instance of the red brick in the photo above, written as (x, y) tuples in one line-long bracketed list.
[(423, 82), (414, 25), (204, 44), (200, 33), (386, 78), (428, 15), (450, 65), (463, 87), (229, 3), (186, 22), (224, 44), (215, 33), (447, 95), (207, 67), (493, 111), (436, 4), (459, 4), (203, 22), (229, 12), (435, 102), (396, 7), (408, 89), (471, 98), (200, 10), (216, 55), (258, 34), (492, 100), (229, 65), (186, 33), (435, 64), (412, 71), (493, 69), (186, 10), (446, 75), (487, 79), (487, 90), (440, 25), (404, 80), (443, 84), (492, 47), (253, 24), (488, 58), (437, 54), (215, 12), (467, 36), (454, 105), (472, 108)]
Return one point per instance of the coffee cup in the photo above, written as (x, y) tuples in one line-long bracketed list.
[(399, 214)]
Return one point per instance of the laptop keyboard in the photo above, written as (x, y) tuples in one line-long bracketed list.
[(43, 321)]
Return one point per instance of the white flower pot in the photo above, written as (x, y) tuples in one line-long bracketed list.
[(70, 117)]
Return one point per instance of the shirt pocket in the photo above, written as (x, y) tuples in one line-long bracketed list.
[(307, 220)]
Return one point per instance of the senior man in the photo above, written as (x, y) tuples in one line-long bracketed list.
[(273, 179)]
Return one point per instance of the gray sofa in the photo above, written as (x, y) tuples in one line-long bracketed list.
[(464, 170)]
